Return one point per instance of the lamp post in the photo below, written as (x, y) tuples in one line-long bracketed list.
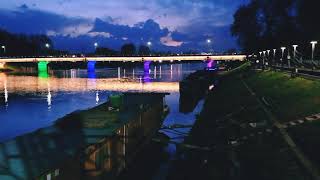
[(313, 44), (282, 54), (95, 47), (4, 49), (149, 44), (274, 55), (268, 58), (294, 50), (47, 45), (209, 41)]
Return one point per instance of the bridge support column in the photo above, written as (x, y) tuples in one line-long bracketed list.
[(146, 69), (43, 66), (43, 69), (91, 66), (211, 64), (2, 65)]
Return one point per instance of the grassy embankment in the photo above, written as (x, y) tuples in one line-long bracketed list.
[(261, 152)]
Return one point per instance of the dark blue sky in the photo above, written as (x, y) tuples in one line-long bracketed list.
[(168, 24)]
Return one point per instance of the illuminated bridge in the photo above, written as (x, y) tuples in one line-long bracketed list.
[(43, 61)]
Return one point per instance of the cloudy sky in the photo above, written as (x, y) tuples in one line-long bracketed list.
[(169, 24)]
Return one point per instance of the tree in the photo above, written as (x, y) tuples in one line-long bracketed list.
[(23, 45), (266, 24), (128, 49), (246, 28), (144, 50), (105, 51)]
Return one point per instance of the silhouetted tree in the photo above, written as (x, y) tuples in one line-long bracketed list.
[(267, 24), (144, 50), (246, 28), (105, 51), (128, 49), (23, 45)]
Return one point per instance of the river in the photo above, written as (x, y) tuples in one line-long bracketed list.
[(30, 100)]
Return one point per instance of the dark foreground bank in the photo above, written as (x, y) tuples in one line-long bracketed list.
[(243, 132)]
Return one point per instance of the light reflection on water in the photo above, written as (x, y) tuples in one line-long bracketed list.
[(35, 100)]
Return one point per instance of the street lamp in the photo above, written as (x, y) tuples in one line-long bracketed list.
[(313, 43), (47, 45), (282, 50), (4, 49), (268, 52), (209, 43), (294, 50), (96, 45), (282, 53), (149, 44), (274, 55)]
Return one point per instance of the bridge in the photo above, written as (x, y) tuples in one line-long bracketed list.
[(43, 61)]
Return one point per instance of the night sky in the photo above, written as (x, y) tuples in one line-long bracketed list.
[(169, 24)]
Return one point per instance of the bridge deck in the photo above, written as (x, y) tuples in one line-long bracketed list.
[(127, 59)]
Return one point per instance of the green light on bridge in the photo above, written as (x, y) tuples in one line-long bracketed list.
[(43, 69)]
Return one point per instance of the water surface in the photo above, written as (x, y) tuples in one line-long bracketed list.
[(33, 100)]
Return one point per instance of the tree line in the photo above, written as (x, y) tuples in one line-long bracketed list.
[(126, 50), (26, 45), (266, 24)]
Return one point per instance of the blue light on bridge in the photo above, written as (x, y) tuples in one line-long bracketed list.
[(91, 66)]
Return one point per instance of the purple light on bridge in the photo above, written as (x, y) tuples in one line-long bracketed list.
[(146, 74), (211, 64)]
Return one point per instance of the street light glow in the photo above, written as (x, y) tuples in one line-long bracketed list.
[(96, 44), (294, 50), (149, 43), (314, 42), (208, 40), (47, 45)]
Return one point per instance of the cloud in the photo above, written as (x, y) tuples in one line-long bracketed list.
[(168, 13), (169, 24), (168, 41)]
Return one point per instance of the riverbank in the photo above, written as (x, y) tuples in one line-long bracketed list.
[(237, 125)]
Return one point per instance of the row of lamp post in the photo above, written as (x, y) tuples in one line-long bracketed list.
[(313, 46)]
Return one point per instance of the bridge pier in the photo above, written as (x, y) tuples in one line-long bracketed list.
[(211, 64), (2, 64), (146, 71), (91, 66), (43, 66), (43, 69)]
